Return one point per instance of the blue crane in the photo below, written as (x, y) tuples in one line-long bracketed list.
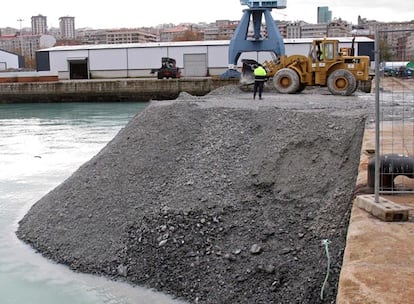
[(242, 43)]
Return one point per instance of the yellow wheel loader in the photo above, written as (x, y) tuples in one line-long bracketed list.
[(325, 65)]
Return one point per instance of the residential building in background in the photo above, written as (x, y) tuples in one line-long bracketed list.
[(67, 27), (309, 30), (25, 45), (324, 14), (409, 49), (171, 34), (282, 25), (91, 36), (395, 37), (294, 29), (220, 30), (129, 36), (339, 28), (39, 25), (26, 41)]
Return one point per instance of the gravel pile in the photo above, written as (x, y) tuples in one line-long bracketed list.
[(216, 199)]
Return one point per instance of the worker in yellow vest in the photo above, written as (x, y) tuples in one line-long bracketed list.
[(259, 80)]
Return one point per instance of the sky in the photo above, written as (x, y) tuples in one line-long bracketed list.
[(141, 13)]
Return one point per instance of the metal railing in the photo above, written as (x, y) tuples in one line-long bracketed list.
[(394, 113)]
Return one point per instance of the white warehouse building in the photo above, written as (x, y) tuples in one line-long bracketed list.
[(10, 61), (194, 58)]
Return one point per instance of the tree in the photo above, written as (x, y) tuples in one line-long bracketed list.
[(189, 35), (385, 51)]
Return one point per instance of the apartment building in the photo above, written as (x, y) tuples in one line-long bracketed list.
[(67, 27), (25, 45), (170, 34), (294, 29), (129, 36), (309, 30), (410, 47), (220, 30), (394, 36), (39, 25), (339, 28)]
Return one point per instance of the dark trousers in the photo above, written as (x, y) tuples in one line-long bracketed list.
[(258, 88)]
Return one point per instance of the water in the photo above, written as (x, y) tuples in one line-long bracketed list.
[(41, 145)]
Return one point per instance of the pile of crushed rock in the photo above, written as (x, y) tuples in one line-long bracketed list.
[(211, 202)]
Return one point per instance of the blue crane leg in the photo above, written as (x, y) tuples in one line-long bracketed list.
[(239, 43), (257, 23), (275, 39), (240, 35)]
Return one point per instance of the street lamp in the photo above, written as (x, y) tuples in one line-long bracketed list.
[(21, 38)]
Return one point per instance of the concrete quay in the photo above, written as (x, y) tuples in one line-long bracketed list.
[(378, 264), (99, 90)]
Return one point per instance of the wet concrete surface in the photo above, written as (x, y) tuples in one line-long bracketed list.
[(378, 264)]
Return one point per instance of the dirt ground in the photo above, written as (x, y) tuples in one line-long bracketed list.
[(217, 199), (397, 84)]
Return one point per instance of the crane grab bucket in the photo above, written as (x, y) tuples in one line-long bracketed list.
[(247, 75)]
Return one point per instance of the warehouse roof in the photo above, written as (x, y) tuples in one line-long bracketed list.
[(183, 43), (136, 45)]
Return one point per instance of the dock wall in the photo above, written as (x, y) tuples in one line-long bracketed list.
[(108, 90)]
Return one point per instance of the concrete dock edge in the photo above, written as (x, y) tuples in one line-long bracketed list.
[(378, 264)]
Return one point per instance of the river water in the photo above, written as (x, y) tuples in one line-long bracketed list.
[(41, 145)]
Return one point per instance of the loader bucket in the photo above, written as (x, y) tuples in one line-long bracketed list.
[(247, 75)]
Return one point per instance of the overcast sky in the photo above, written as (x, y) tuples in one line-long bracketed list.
[(138, 13)]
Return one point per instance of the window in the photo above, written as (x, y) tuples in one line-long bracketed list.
[(329, 51)]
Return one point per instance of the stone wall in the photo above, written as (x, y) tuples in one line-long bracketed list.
[(108, 90)]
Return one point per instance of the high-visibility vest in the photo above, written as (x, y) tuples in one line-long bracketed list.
[(259, 73)]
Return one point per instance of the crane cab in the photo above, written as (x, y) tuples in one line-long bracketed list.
[(264, 4)]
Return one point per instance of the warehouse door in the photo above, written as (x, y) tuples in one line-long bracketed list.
[(195, 65), (78, 68)]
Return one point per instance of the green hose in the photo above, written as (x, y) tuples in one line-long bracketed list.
[(326, 244)]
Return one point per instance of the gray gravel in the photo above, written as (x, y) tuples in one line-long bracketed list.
[(216, 199)]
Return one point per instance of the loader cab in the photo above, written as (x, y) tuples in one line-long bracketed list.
[(324, 50), (330, 50)]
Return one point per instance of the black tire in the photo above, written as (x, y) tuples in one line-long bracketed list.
[(356, 87), (301, 88), (365, 86), (342, 82), (286, 81)]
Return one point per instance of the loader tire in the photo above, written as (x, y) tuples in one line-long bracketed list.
[(365, 86), (301, 88), (342, 82), (286, 81)]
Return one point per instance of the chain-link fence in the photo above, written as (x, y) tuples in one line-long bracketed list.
[(392, 170)]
